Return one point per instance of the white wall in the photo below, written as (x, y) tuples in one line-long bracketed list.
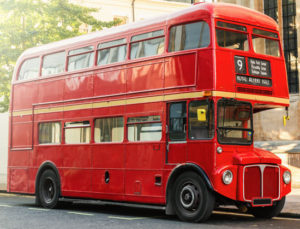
[(3, 149), (108, 10)]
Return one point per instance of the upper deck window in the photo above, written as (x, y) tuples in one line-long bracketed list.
[(29, 69), (265, 33), (112, 52), (232, 36), (81, 58), (231, 26), (265, 42), (54, 63), (147, 44), (189, 36)]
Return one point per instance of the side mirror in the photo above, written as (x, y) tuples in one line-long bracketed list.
[(201, 115)]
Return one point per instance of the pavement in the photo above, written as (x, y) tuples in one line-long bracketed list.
[(292, 204), (291, 208), (3, 179)]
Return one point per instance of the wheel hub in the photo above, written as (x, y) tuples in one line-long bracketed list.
[(48, 190), (189, 197)]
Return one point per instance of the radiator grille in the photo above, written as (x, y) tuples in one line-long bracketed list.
[(261, 181)]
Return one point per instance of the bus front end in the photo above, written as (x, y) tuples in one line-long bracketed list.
[(252, 177), (250, 77)]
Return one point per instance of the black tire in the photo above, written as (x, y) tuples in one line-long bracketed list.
[(191, 199), (268, 212), (48, 189)]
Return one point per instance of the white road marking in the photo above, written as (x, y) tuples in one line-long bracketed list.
[(245, 215), (127, 218), (39, 209), (5, 205), (81, 213), (284, 218)]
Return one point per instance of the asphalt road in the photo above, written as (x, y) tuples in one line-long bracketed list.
[(19, 212)]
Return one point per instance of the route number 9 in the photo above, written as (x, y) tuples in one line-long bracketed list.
[(240, 64)]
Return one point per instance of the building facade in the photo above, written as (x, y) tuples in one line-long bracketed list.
[(132, 10)]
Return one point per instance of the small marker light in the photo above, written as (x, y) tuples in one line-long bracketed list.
[(219, 149), (207, 93)]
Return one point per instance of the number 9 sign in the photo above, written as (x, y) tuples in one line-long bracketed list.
[(240, 64)]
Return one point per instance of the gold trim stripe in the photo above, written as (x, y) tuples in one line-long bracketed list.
[(251, 97), (22, 112), (159, 98)]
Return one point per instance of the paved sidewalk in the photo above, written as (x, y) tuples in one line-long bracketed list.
[(292, 204), (3, 182)]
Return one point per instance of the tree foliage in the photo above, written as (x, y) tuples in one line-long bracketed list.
[(29, 23)]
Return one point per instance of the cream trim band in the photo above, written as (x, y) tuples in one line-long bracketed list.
[(159, 98)]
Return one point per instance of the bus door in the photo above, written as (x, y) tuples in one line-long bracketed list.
[(176, 134)]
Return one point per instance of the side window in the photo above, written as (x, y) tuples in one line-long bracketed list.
[(189, 36), (177, 122), (81, 58), (49, 133), (201, 120), (109, 130), (112, 52), (53, 64), (147, 44), (147, 128), (29, 69), (232, 36), (77, 132)]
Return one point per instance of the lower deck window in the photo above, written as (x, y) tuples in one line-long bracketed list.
[(77, 132), (49, 133), (201, 120), (109, 130), (148, 128)]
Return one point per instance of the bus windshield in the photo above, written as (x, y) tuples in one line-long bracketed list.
[(234, 122)]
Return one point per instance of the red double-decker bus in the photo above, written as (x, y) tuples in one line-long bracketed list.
[(156, 112)]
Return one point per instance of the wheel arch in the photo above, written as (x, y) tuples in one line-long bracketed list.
[(173, 176), (51, 166)]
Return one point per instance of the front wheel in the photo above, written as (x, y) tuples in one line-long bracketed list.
[(48, 189), (191, 199), (268, 212)]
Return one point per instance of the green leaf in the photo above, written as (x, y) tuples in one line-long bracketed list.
[(28, 23)]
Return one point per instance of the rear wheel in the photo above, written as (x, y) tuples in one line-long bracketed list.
[(48, 189), (268, 212), (191, 199)]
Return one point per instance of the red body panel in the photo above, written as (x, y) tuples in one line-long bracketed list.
[(140, 171)]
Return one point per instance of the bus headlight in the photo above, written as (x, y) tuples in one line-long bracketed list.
[(227, 177), (286, 177)]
